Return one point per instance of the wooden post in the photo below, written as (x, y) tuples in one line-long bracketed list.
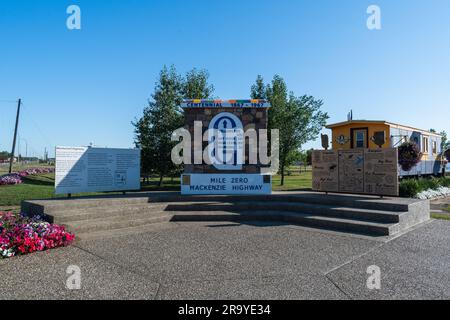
[(11, 160)]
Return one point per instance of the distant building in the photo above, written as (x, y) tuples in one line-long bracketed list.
[(353, 134)]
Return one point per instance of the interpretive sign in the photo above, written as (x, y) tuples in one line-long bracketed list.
[(325, 170), (85, 169), (380, 171), (226, 184), (351, 171), (365, 171)]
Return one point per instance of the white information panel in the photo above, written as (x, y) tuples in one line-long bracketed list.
[(83, 169), (192, 184)]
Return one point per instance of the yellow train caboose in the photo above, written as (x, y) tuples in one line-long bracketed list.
[(354, 134)]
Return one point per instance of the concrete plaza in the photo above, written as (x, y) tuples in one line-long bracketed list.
[(237, 261)]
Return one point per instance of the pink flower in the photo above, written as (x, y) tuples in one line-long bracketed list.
[(20, 235)]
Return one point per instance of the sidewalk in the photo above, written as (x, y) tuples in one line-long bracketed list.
[(439, 206)]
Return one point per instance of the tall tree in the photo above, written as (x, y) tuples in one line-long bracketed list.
[(196, 86), (160, 118), (298, 119), (445, 144), (258, 90), (163, 116)]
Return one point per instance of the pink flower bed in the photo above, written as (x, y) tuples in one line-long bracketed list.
[(16, 178), (20, 235), (10, 179)]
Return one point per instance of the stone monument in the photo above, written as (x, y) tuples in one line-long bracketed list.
[(222, 127)]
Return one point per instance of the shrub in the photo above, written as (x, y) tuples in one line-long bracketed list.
[(447, 154), (409, 155), (445, 182), (429, 183), (408, 188)]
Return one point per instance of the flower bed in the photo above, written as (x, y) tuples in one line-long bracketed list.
[(16, 178), (425, 188), (20, 235), (10, 179), (440, 192)]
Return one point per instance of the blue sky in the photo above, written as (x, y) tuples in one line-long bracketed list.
[(87, 85)]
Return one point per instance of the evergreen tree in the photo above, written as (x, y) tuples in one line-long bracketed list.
[(258, 90), (160, 118), (163, 115), (298, 119), (445, 144), (196, 86)]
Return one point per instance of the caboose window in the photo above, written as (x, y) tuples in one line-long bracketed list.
[(425, 144), (360, 139)]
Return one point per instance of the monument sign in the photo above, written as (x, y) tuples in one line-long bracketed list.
[(227, 169), (85, 169)]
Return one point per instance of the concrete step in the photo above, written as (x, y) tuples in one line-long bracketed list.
[(324, 210), (105, 212), (349, 213), (302, 219), (118, 225), (117, 222), (363, 202)]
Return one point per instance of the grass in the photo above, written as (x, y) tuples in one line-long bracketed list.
[(447, 209), (34, 187), (440, 216), (42, 187), (293, 182), (17, 167)]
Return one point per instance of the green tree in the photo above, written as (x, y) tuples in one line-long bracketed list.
[(309, 157), (196, 86), (4, 155), (303, 157), (160, 118), (445, 144), (298, 119), (258, 90), (163, 115)]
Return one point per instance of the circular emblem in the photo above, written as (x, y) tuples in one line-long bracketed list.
[(226, 136), (342, 139)]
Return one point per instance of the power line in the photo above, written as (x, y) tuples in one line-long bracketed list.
[(47, 141), (8, 101)]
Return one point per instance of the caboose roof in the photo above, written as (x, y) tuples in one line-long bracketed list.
[(390, 124)]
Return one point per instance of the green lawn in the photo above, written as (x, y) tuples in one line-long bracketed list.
[(42, 187), (34, 187), (440, 216), (447, 209), (17, 167), (293, 182)]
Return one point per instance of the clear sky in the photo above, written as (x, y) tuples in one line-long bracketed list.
[(87, 85)]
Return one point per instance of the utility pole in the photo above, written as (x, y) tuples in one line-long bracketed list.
[(11, 160)]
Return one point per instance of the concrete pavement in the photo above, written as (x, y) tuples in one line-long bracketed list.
[(233, 261)]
